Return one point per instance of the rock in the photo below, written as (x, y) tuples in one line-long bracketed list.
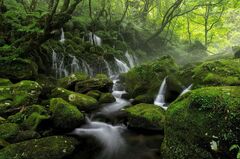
[(8, 131), (27, 135), (146, 116), (65, 115), (95, 94), (83, 102), (53, 147), (143, 99), (17, 68), (100, 82), (107, 98), (224, 72), (17, 95), (237, 54), (3, 143), (47, 83), (5, 82), (69, 81), (147, 78), (202, 121)]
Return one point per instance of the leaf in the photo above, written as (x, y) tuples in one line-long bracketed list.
[(235, 146)]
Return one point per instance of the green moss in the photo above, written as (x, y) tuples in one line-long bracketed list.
[(83, 102), (106, 98), (219, 72), (69, 81), (146, 116), (8, 131), (65, 115), (95, 94), (5, 82), (54, 147), (143, 99), (200, 117)]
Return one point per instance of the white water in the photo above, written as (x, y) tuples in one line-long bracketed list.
[(122, 66), (62, 36), (130, 58), (186, 89), (75, 65), (58, 65), (160, 99), (86, 68), (110, 72), (94, 39)]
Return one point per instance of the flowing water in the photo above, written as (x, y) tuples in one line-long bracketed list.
[(58, 65), (94, 39), (62, 39), (160, 99), (186, 89), (130, 58)]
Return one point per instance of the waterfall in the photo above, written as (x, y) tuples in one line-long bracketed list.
[(86, 68), (130, 59), (186, 89), (75, 66), (58, 65), (110, 73), (108, 135), (160, 99), (122, 66), (94, 39), (62, 36)]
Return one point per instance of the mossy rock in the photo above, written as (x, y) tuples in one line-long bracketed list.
[(95, 94), (47, 83), (224, 72), (200, 118), (65, 115), (147, 78), (8, 131), (26, 135), (5, 82), (106, 98), (100, 82), (17, 95), (83, 102), (53, 147), (146, 116), (17, 68), (143, 99), (69, 81)]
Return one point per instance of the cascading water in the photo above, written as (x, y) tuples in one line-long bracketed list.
[(75, 66), (130, 58), (160, 99), (108, 135), (58, 65), (86, 68), (62, 36), (186, 89), (122, 66), (110, 72), (94, 39)]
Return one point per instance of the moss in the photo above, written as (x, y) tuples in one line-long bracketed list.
[(200, 117), (27, 135), (106, 98), (95, 94), (5, 82), (65, 115), (53, 147), (69, 81), (8, 131), (17, 68), (146, 116), (224, 72), (143, 99), (83, 102)]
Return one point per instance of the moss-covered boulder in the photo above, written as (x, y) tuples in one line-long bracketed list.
[(203, 123), (17, 68), (224, 72), (47, 83), (147, 78), (8, 131), (100, 82), (146, 116), (65, 115), (53, 147), (69, 81), (83, 102), (106, 98), (26, 135), (17, 95), (143, 99), (95, 94), (5, 82)]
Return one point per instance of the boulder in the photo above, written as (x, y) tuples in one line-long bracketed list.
[(143, 99), (83, 102), (24, 93), (8, 131), (5, 82), (203, 123), (106, 98), (225, 72), (53, 147), (70, 81), (95, 94), (100, 82), (65, 115), (17, 69), (146, 117)]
